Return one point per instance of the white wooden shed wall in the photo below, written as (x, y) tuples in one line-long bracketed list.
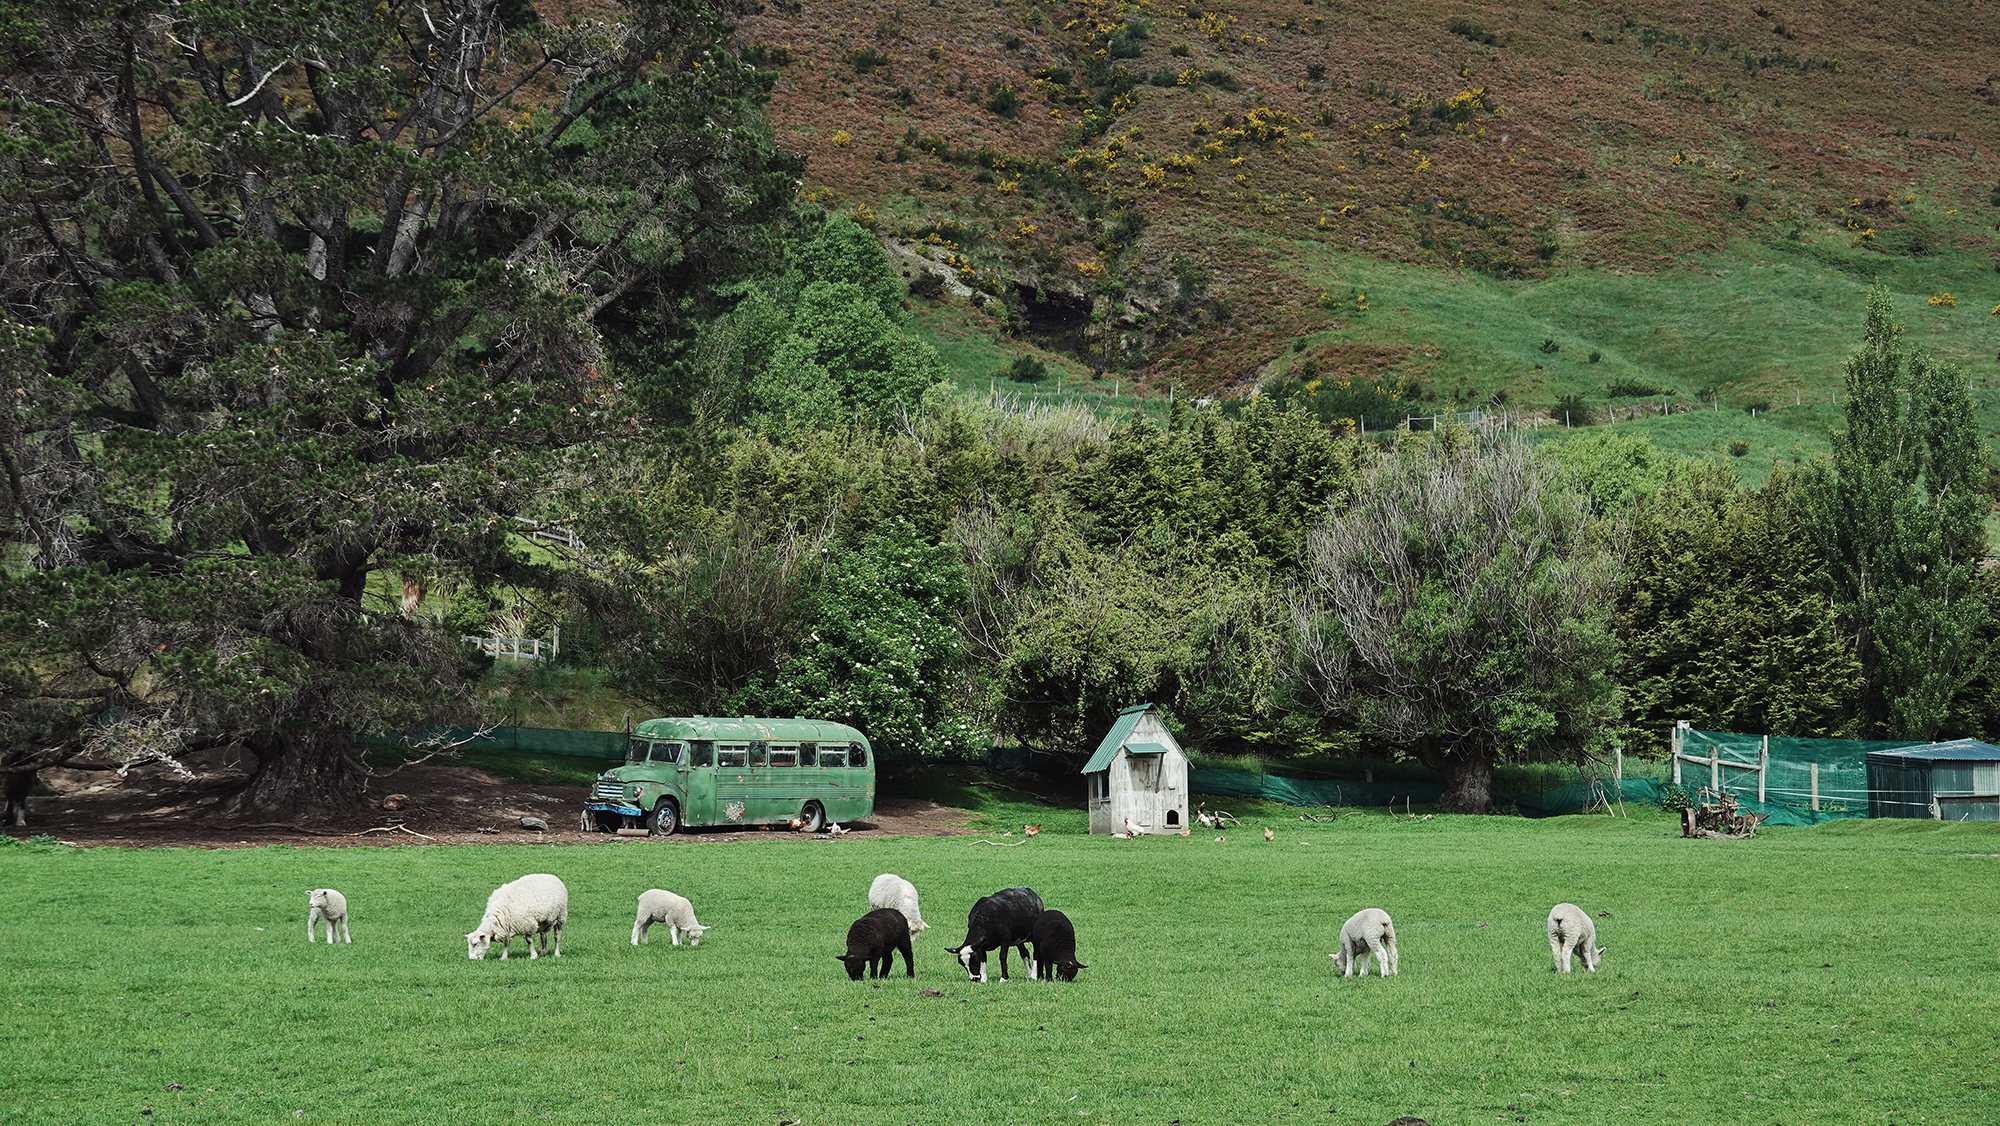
[(1145, 793)]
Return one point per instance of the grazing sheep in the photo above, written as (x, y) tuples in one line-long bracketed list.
[(872, 943), (1005, 918), (1055, 948), (895, 892), (1572, 933), (658, 906), (1368, 931), (330, 907), (533, 907)]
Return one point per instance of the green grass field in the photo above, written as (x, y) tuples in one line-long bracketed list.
[(1837, 975)]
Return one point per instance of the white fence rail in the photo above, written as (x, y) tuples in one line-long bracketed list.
[(518, 648)]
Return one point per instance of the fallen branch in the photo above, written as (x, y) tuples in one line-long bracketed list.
[(998, 844), (394, 829)]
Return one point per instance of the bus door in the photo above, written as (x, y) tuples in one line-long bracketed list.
[(779, 794), (699, 808), (733, 783)]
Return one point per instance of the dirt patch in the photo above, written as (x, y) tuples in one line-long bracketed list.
[(443, 804)]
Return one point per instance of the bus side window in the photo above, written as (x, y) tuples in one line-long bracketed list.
[(856, 756), (667, 752), (784, 756), (808, 754), (704, 753), (732, 756), (757, 752)]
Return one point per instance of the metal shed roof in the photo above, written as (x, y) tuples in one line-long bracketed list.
[(1115, 738), (1958, 750)]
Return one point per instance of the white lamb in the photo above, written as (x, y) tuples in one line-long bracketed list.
[(1572, 933), (532, 906), (329, 907), (897, 894), (658, 906), (1368, 931)]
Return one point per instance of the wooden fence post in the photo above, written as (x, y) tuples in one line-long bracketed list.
[(1815, 785), (1763, 766), (1715, 770)]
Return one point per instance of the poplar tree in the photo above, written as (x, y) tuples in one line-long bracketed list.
[(1896, 516)]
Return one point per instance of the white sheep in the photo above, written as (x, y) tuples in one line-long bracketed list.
[(1368, 931), (658, 906), (1572, 933), (532, 906), (330, 907), (897, 894)]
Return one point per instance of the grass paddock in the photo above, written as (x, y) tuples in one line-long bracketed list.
[(1832, 975)]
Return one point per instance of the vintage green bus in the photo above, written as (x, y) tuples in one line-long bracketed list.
[(743, 771)]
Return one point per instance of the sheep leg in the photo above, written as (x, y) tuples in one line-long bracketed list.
[(555, 941), (639, 930), (312, 921), (344, 935), (1389, 944), (909, 962), (506, 944), (674, 931), (1559, 950)]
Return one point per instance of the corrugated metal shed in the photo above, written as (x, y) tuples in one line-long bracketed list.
[(1954, 781)]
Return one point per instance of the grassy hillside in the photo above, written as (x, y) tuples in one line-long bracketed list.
[(1196, 196)]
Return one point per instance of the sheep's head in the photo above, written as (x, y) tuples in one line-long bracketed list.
[(694, 934), (1066, 970), (317, 898), (1592, 957), (855, 964), (1340, 959), (477, 942), (973, 960)]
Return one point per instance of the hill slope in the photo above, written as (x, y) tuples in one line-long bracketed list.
[(1200, 195)]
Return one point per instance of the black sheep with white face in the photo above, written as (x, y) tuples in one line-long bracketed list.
[(872, 943), (1055, 948), (1005, 918)]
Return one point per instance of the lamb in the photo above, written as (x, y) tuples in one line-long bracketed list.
[(656, 906), (531, 907), (330, 907), (1368, 931), (895, 892), (1055, 948), (1005, 918), (872, 943), (1572, 933)]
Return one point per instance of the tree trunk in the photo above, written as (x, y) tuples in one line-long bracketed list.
[(307, 776), (1468, 783)]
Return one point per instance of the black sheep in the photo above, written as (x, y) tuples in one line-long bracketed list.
[(1055, 948), (1005, 918), (872, 943)]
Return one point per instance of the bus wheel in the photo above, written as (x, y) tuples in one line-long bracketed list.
[(813, 816), (665, 818)]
